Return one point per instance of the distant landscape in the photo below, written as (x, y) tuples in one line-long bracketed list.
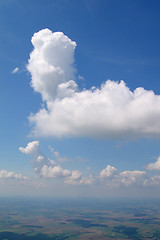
[(57, 219)]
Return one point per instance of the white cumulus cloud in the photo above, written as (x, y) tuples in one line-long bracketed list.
[(110, 177), (132, 177), (38, 159), (74, 178), (7, 174), (153, 181), (51, 63), (108, 172), (154, 165), (54, 172), (48, 168), (110, 111), (32, 148)]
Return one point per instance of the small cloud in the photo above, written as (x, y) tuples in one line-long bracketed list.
[(32, 148), (154, 165), (74, 178), (54, 172), (57, 156), (108, 172), (6, 174), (16, 70), (81, 77), (38, 158), (47, 168), (132, 177), (81, 159), (153, 181)]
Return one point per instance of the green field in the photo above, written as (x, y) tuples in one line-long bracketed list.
[(57, 219)]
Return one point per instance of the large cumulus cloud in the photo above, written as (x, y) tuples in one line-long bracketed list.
[(110, 111)]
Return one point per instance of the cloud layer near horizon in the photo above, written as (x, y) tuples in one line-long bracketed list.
[(109, 176), (110, 111)]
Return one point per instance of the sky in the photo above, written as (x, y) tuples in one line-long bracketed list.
[(80, 103)]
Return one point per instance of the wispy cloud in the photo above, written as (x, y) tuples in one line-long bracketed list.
[(16, 70)]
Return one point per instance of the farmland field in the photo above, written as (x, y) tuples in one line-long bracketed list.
[(58, 219)]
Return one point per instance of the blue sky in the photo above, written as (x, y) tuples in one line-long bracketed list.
[(116, 40)]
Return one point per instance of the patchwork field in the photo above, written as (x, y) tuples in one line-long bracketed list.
[(57, 219)]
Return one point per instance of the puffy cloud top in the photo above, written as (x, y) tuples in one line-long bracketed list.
[(31, 149), (108, 172), (130, 177), (51, 62)]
